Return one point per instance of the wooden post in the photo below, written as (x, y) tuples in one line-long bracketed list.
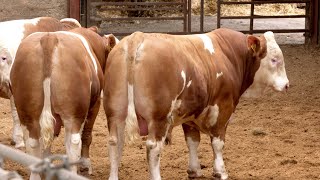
[(218, 13), (189, 16), (201, 15), (74, 9), (251, 17), (315, 22)]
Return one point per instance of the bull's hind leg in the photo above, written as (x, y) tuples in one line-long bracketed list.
[(87, 137), (73, 140), (156, 139), (192, 137), (31, 136), (116, 127)]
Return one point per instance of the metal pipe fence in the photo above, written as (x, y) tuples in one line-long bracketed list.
[(58, 171)]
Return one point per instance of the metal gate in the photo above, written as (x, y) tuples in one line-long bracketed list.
[(310, 20), (89, 7)]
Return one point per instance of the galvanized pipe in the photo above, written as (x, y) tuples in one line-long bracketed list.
[(28, 160)]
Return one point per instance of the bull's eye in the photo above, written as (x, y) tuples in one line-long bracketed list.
[(3, 58), (274, 61)]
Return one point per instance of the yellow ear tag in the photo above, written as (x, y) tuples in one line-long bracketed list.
[(253, 47)]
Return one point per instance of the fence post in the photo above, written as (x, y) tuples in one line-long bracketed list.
[(189, 16), (315, 22), (74, 9), (251, 17), (88, 15), (218, 13)]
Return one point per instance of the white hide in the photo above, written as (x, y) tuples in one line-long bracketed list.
[(219, 166), (76, 22), (46, 117), (271, 73), (194, 164), (154, 149), (206, 42), (132, 127), (175, 103), (219, 75), (11, 35)]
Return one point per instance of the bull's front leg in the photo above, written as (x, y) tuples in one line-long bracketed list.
[(219, 167), (192, 138), (17, 134)]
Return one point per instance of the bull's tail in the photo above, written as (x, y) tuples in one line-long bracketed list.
[(132, 127), (46, 117), (48, 43)]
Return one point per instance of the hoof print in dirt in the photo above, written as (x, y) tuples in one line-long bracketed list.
[(259, 132), (288, 161)]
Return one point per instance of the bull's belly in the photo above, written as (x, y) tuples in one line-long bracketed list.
[(204, 122)]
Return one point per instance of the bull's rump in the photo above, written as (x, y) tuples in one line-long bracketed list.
[(63, 63), (160, 69)]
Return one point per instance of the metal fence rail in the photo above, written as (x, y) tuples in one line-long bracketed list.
[(253, 16), (180, 6), (31, 161)]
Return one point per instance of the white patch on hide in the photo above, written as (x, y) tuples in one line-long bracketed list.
[(189, 83), (175, 103), (207, 42), (219, 166), (132, 128), (219, 75), (213, 114), (71, 20)]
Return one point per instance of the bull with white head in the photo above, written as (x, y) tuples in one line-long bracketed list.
[(11, 35), (272, 72)]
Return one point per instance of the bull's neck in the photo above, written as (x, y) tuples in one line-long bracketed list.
[(239, 65)]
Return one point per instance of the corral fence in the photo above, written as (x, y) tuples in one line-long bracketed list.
[(311, 12), (86, 11), (53, 167)]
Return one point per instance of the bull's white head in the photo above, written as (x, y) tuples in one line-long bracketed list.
[(6, 60), (272, 72), (11, 34)]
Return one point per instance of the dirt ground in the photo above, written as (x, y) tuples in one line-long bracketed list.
[(273, 137)]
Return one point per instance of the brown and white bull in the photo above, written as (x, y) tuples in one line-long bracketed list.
[(57, 79), (11, 34), (154, 81)]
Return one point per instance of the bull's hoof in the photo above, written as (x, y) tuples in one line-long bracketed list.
[(18, 145), (168, 141), (218, 176), (86, 167), (194, 173)]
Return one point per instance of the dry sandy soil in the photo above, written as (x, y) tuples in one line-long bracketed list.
[(273, 137)]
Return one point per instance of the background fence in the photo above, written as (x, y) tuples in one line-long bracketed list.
[(88, 9)]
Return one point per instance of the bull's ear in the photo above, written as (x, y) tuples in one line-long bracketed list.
[(253, 43), (94, 29), (111, 40)]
